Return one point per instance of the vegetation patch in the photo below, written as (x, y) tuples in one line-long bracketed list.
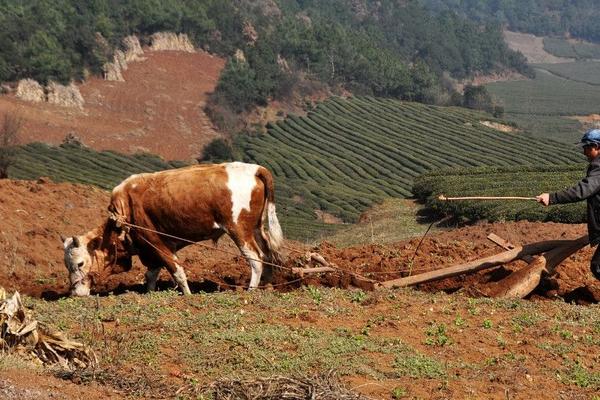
[(348, 154), (79, 164), (505, 181), (571, 49), (403, 341), (541, 106)]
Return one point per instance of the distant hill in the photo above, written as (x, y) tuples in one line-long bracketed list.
[(384, 48), (552, 104), (565, 18), (159, 108)]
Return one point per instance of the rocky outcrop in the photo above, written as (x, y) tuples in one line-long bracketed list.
[(30, 90), (249, 33), (54, 93), (113, 71), (171, 41), (65, 96), (132, 51), (282, 63), (268, 8), (239, 56)]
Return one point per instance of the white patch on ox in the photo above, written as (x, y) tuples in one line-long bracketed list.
[(121, 185), (181, 279), (240, 181)]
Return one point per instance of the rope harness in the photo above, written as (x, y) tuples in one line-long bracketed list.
[(126, 226)]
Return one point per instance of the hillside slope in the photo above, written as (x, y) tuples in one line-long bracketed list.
[(158, 109), (348, 154)]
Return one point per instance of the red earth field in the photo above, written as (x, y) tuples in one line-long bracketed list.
[(161, 111), (35, 214)]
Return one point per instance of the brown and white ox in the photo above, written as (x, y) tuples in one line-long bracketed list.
[(185, 205)]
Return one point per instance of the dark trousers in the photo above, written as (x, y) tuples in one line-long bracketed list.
[(595, 263)]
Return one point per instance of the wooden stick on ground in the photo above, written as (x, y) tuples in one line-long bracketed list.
[(523, 281), (506, 245), (444, 198), (357, 280)]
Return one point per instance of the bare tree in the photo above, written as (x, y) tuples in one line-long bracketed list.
[(9, 139)]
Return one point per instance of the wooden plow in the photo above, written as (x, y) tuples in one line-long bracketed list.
[(542, 259)]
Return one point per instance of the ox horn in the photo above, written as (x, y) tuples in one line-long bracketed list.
[(76, 242)]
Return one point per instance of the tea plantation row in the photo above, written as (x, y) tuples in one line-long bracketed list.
[(504, 181), (347, 154)]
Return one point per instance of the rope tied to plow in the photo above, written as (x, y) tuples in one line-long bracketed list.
[(282, 267)]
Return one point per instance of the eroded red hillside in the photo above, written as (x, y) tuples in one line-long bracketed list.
[(158, 109)]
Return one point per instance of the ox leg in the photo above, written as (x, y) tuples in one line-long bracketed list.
[(267, 273), (151, 278), (256, 266), (155, 259), (181, 279)]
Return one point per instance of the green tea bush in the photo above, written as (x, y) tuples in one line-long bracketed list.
[(494, 181)]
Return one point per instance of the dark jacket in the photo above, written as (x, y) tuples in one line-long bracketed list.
[(586, 189)]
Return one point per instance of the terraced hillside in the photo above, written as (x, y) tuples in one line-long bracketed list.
[(333, 164), (349, 153), (545, 105), (78, 164)]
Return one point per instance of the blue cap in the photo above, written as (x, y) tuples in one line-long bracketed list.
[(590, 137)]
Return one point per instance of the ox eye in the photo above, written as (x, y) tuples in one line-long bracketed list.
[(80, 264)]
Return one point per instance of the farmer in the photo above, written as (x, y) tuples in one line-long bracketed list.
[(586, 189)]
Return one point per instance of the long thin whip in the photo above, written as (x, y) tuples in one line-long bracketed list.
[(441, 197)]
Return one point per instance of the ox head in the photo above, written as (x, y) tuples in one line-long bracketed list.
[(80, 263), (98, 253)]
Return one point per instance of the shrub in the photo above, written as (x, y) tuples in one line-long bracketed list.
[(218, 150)]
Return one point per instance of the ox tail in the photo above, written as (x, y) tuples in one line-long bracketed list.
[(273, 238)]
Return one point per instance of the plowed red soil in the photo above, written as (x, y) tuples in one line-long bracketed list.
[(158, 109), (35, 214)]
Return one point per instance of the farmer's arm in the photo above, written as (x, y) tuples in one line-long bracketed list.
[(583, 189)]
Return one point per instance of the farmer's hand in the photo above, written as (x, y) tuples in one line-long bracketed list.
[(543, 198)]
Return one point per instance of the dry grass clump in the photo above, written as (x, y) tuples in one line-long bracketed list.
[(20, 333), (325, 387)]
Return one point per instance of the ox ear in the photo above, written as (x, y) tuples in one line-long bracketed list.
[(94, 243), (63, 241)]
